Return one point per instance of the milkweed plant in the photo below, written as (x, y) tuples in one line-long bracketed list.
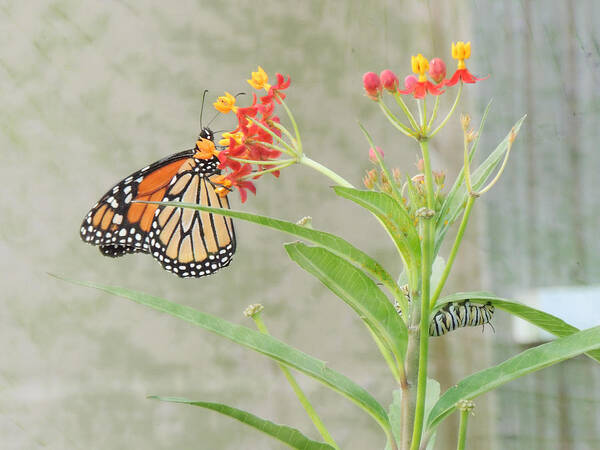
[(401, 312)]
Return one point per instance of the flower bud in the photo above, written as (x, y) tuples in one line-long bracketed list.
[(373, 156), (370, 179), (389, 80), (437, 70), (439, 177), (410, 81), (372, 85)]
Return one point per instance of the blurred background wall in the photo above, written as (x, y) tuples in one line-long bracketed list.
[(92, 91)]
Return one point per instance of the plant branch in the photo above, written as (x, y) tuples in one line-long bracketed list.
[(407, 112), (324, 170), (454, 251), (426, 263), (441, 125)]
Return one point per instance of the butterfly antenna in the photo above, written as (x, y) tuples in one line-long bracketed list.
[(202, 108), (211, 120)]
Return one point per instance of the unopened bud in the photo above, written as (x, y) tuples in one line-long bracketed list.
[(437, 69), (252, 310), (471, 135), (465, 121), (372, 85), (373, 156), (389, 80), (306, 221), (425, 212), (465, 405), (418, 178), (410, 81), (370, 179), (512, 136), (396, 175), (439, 177)]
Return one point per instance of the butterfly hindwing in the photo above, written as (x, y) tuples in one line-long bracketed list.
[(192, 243)]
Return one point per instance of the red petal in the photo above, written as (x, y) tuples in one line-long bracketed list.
[(457, 76), (420, 89)]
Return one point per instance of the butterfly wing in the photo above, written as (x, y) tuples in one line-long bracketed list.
[(192, 243), (198, 242)]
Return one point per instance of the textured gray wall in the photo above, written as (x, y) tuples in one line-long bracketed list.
[(93, 91)]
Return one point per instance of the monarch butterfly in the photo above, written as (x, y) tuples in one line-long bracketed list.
[(186, 242), (460, 314), (456, 315)]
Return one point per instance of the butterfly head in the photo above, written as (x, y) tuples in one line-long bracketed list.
[(206, 133), (205, 146)]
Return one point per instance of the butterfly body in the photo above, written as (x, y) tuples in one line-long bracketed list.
[(186, 242)]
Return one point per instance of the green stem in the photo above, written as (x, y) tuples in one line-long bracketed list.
[(466, 164), (395, 121), (455, 246), (436, 105), (462, 430), (441, 125), (294, 124), (298, 391), (407, 112), (426, 262), (273, 135), (278, 148), (286, 132), (324, 170), (424, 116), (272, 169)]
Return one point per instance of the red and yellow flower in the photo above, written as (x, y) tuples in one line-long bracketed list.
[(251, 142), (461, 51), (423, 86)]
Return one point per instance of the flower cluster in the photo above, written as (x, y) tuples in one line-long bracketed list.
[(249, 150), (419, 86)]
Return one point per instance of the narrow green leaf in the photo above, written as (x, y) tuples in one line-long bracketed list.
[(530, 360), (261, 343), (453, 193), (357, 290), (455, 201), (540, 319), (333, 243), (283, 433), (394, 218), (395, 414)]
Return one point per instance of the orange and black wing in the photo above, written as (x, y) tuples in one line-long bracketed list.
[(192, 243), (120, 226)]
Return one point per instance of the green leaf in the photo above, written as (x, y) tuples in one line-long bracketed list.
[(394, 218), (455, 201), (530, 360), (357, 290), (540, 319), (285, 434), (395, 414), (261, 343), (333, 243)]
